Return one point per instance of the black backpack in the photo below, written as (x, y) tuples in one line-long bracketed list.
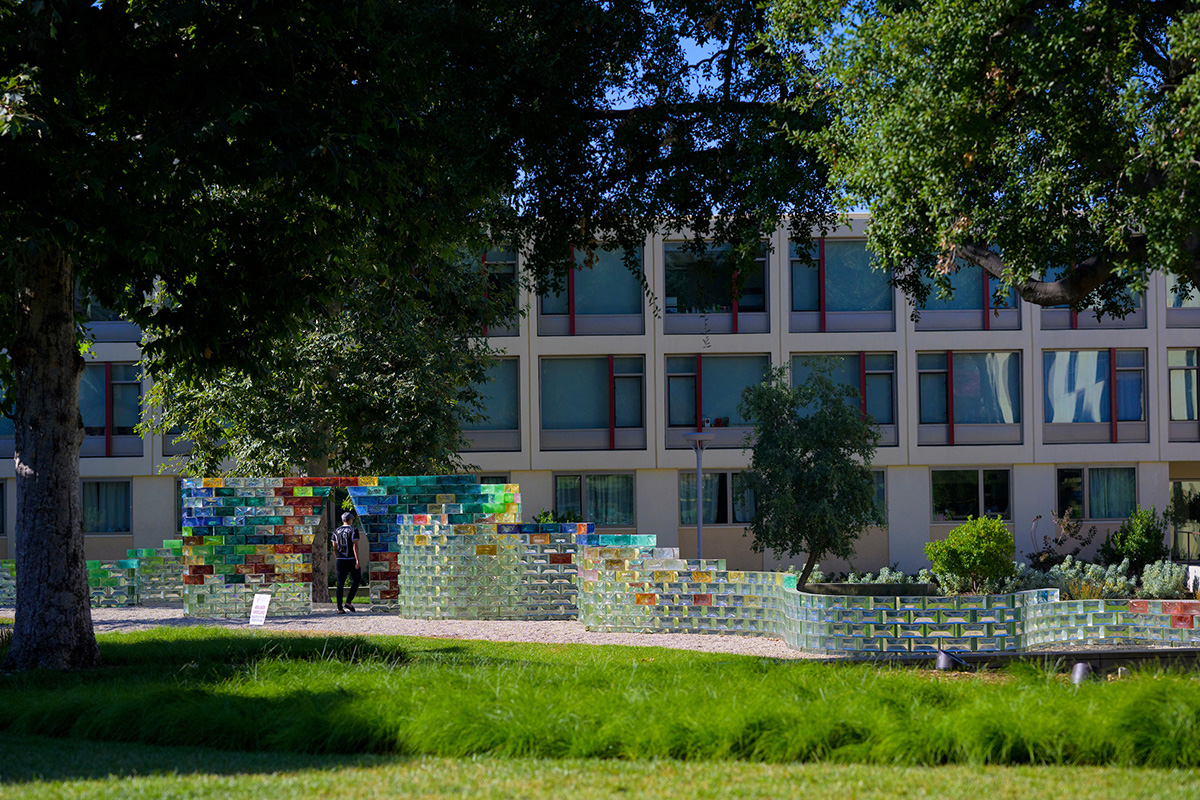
[(343, 542)]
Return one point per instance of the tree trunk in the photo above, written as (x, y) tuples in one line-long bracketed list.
[(53, 626), (802, 581), (319, 468)]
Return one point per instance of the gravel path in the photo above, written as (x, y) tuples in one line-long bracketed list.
[(325, 620)]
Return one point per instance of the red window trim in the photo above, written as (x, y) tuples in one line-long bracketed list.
[(1112, 393), (612, 398), (699, 405), (950, 395)]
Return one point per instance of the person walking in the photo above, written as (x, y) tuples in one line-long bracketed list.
[(346, 555)]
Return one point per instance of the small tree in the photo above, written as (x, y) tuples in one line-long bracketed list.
[(811, 450)]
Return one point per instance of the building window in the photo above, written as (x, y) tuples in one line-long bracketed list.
[(1088, 318), (593, 403), (969, 398), (1182, 365), (602, 296), (494, 479), (834, 288), (873, 376), (1178, 296), (1079, 390), (972, 304), (110, 402), (604, 499), (500, 406), (179, 505), (1097, 492), (880, 478), (723, 503), (961, 493), (1184, 424), (706, 284), (500, 273), (106, 506), (704, 392)]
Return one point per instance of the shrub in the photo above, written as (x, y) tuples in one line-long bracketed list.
[(1053, 551), (1139, 539), (1078, 580), (892, 574), (1164, 580), (975, 557)]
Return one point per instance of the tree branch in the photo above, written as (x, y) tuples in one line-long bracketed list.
[(1076, 284)]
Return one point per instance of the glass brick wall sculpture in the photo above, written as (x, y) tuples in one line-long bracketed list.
[(8, 583), (113, 583), (160, 571), (243, 536), (448, 547)]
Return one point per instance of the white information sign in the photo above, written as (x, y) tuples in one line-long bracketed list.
[(258, 611)]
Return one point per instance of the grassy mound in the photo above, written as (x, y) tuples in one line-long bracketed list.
[(425, 697)]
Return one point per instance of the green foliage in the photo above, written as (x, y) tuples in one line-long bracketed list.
[(1068, 540), (545, 517), (975, 557), (1164, 580), (962, 129), (373, 696), (809, 467), (891, 575), (381, 381), (1076, 580), (1139, 540), (51, 768)]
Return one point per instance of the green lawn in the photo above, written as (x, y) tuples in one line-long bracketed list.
[(54, 768), (259, 691)]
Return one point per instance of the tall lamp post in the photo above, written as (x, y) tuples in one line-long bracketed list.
[(699, 441)]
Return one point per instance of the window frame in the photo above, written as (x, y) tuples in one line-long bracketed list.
[(821, 319), (127, 482), (731, 435), (1115, 430), (1183, 430), (985, 317), (888, 430), (498, 440), (980, 493), (119, 445), (507, 329), (573, 323), (583, 476), (1086, 488), (727, 319), (950, 432), (727, 501), (610, 437)]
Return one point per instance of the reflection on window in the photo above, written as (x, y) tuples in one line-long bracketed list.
[(961, 493), (705, 283), (850, 283), (606, 287), (110, 392), (576, 392), (986, 387), (499, 399), (1182, 367), (878, 370), (1180, 297), (721, 381), (1078, 385)]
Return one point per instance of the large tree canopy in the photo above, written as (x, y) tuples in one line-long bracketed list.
[(1034, 139), (207, 169)]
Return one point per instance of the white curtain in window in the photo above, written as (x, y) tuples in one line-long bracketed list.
[(1112, 492), (687, 497), (610, 499), (987, 388), (106, 507)]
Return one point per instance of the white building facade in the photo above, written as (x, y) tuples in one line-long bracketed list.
[(1018, 411)]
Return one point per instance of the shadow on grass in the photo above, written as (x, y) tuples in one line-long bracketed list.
[(41, 758)]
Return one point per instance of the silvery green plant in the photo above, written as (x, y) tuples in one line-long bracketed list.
[(1079, 580), (1164, 580)]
